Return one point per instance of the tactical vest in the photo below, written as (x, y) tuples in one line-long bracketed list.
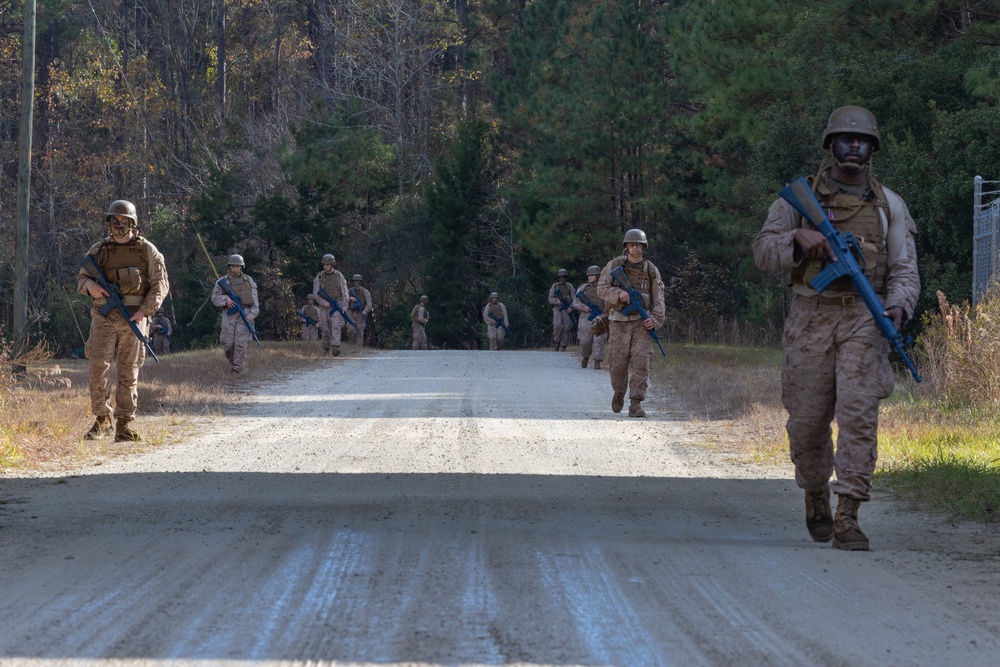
[(496, 311), (359, 294), (590, 291), (330, 283), (126, 265), (562, 290), (866, 217), (414, 314), (241, 288), (312, 312), (640, 276)]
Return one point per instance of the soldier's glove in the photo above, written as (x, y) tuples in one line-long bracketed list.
[(600, 325)]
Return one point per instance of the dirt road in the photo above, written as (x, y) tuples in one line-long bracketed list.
[(469, 508)]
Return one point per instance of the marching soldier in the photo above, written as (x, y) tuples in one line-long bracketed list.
[(128, 260), (631, 344), (586, 301), (561, 297), (235, 334), (309, 316), (361, 306), (836, 361), (332, 283), (162, 331), (495, 314), (419, 316)]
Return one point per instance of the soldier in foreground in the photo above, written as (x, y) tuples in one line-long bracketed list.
[(162, 331), (309, 316), (361, 308), (836, 362), (629, 335), (236, 333), (497, 324), (331, 282), (591, 307), (561, 297), (419, 316), (129, 261)]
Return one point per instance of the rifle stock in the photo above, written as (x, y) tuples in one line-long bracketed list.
[(800, 195), (116, 301)]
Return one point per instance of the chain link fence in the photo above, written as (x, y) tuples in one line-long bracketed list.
[(985, 238)]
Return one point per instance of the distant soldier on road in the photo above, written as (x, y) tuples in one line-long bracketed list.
[(309, 316), (235, 335), (134, 264), (162, 331), (361, 310), (561, 296), (836, 360), (590, 344), (631, 344), (332, 282), (419, 316), (494, 331)]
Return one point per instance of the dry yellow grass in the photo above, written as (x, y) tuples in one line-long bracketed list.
[(43, 427)]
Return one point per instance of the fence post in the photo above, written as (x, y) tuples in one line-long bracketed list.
[(977, 204)]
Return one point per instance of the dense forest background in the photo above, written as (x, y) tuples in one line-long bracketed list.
[(458, 147)]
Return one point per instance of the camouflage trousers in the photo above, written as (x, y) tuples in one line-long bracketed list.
[(357, 336), (496, 335), (235, 337), (161, 344), (590, 345), (631, 353), (309, 332), (562, 327), (333, 327), (419, 336), (836, 366), (112, 343)]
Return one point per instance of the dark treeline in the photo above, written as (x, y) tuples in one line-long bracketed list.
[(460, 147)]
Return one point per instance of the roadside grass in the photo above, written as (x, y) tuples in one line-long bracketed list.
[(42, 428), (937, 456), (740, 384)]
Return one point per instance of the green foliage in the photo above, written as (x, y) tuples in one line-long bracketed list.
[(455, 199)]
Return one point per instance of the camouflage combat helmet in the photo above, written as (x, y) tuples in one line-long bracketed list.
[(494, 294), (159, 310), (329, 259), (235, 260), (356, 276), (635, 236), (562, 272), (310, 297), (424, 298), (594, 270), (122, 208), (852, 120)]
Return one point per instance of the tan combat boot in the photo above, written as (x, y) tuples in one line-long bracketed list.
[(618, 401), (597, 365), (336, 351), (124, 433), (819, 518), (583, 362), (846, 533), (101, 428), (556, 347), (635, 409)]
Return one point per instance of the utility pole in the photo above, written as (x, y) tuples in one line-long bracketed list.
[(24, 179)]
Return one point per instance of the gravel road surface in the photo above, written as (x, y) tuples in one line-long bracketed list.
[(469, 508)]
